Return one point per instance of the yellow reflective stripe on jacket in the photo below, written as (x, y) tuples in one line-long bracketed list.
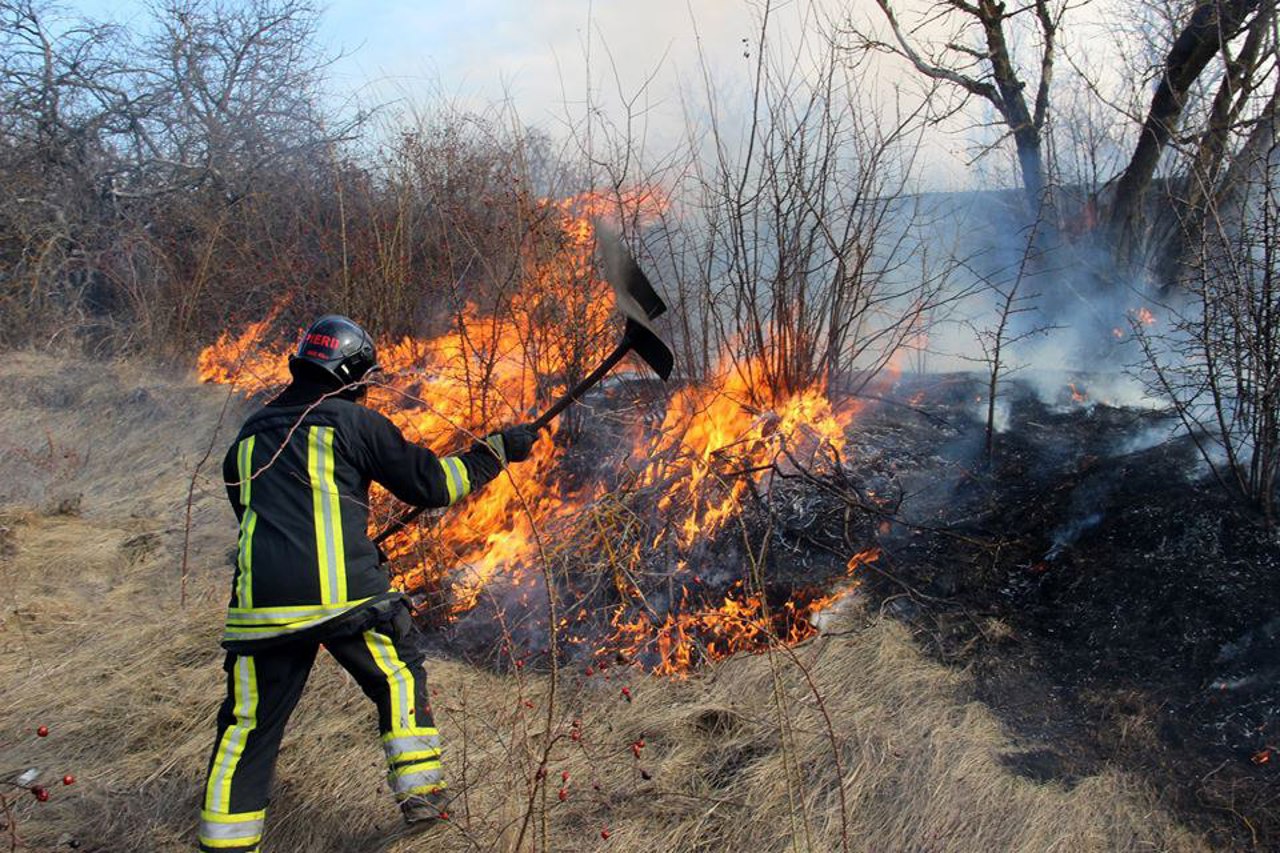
[(498, 446), (217, 795), (267, 622), (248, 521), (326, 509), (456, 478)]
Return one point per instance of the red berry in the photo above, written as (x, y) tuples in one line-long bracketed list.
[(68, 779), (635, 750), (564, 775), (564, 794), (43, 731), (604, 833), (519, 664), (626, 693), (590, 671), (444, 815), (640, 742), (575, 734), (41, 794)]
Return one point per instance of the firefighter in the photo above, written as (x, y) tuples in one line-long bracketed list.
[(307, 573)]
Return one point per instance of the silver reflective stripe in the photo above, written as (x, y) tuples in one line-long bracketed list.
[(248, 521), (399, 679), (324, 504), (232, 631), (455, 478), (238, 615), (409, 745), (231, 746), (249, 830), (411, 782), (499, 447), (246, 469)]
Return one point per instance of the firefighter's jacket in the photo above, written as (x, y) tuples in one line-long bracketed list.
[(298, 478)]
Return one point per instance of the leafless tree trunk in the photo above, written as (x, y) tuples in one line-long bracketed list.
[(1211, 25), (990, 71)]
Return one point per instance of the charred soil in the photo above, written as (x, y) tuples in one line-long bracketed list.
[(1114, 606)]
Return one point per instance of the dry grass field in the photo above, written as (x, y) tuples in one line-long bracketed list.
[(849, 741)]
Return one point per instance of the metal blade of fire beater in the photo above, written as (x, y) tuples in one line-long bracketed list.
[(635, 296), (636, 300)]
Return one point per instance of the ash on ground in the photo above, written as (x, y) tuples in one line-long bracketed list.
[(1114, 606)]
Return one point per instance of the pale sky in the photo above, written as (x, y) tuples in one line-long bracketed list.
[(537, 53)]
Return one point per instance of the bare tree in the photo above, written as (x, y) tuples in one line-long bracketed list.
[(1003, 328), (1211, 25), (123, 154), (1217, 361), (807, 227), (977, 57)]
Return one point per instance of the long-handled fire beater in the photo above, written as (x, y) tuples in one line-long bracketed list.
[(639, 304)]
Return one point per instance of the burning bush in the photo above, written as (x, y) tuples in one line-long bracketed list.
[(645, 551)]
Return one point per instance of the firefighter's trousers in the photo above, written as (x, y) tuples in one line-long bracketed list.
[(262, 690)]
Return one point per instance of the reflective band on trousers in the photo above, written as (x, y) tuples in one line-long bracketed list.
[(217, 796), (411, 748), (399, 678), (231, 830), (418, 782)]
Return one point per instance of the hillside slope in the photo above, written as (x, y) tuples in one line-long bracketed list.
[(754, 753)]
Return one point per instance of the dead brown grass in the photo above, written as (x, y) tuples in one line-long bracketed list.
[(94, 645)]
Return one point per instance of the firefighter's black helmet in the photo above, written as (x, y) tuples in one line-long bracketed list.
[(339, 347)]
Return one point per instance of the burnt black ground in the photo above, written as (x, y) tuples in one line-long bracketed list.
[(1114, 605)]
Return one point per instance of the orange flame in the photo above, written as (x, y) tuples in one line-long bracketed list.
[(711, 432), (715, 441)]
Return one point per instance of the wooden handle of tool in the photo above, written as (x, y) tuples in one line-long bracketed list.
[(544, 420)]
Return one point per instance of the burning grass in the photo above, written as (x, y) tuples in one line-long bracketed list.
[(624, 545)]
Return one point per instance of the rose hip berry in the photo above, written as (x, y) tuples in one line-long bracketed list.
[(68, 779), (40, 793), (42, 731)]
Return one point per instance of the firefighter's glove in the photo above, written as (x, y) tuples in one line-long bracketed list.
[(513, 444)]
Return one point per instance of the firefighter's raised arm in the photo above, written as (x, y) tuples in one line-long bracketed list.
[(419, 477)]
